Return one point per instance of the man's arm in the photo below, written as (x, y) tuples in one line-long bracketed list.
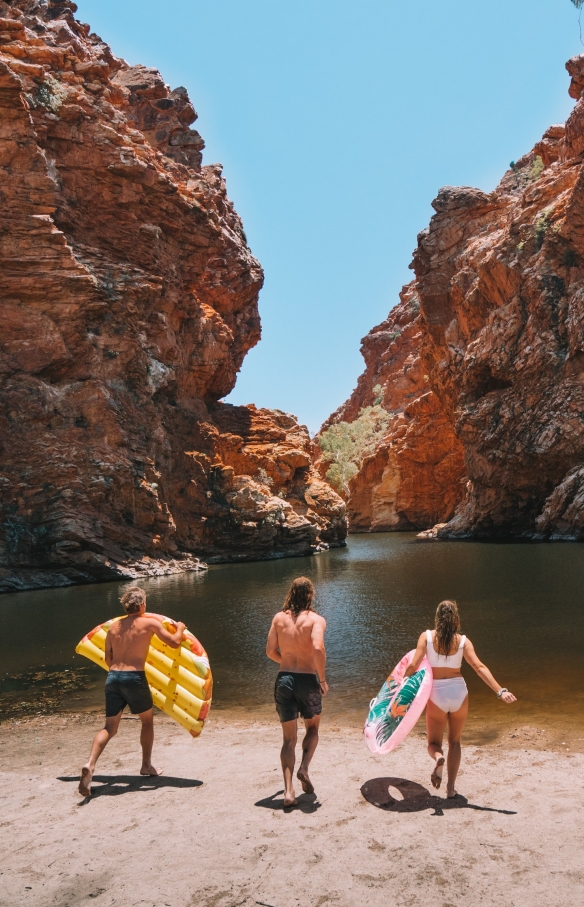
[(109, 652), (272, 650), (171, 639), (317, 637)]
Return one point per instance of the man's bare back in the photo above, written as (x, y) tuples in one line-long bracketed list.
[(299, 640), (128, 640)]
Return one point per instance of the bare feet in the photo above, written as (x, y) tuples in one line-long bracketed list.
[(307, 785), (85, 783), (150, 770), (436, 776), (451, 793), (289, 802)]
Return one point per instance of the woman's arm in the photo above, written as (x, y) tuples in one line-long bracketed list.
[(474, 661), (418, 656)]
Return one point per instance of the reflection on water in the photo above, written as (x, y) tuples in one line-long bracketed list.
[(521, 605)]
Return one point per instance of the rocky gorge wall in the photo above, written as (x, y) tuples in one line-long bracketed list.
[(129, 298), (487, 379), (413, 479)]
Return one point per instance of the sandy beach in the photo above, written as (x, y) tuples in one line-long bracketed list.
[(211, 832)]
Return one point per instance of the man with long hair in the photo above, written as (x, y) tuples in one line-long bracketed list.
[(296, 643), (126, 648)]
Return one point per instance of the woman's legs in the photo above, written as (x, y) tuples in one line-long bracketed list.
[(435, 725), (456, 722)]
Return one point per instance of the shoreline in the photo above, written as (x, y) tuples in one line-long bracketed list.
[(211, 831), (512, 736), (78, 693)]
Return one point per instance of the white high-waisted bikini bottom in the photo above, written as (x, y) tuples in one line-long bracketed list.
[(449, 694)]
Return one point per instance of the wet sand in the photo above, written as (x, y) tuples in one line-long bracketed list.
[(212, 831)]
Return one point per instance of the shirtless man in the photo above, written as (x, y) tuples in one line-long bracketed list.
[(296, 643), (126, 647)]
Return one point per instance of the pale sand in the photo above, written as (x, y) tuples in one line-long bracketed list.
[(211, 832)]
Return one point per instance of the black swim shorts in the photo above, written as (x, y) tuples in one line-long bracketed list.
[(297, 693), (127, 688)]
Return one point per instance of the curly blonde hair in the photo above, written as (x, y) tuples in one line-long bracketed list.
[(133, 599)]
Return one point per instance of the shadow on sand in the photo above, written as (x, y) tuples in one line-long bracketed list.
[(113, 785), (413, 797), (307, 803)]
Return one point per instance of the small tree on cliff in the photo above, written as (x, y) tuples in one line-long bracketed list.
[(346, 444)]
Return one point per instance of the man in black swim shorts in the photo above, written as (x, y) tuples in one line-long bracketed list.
[(296, 643), (126, 648), (127, 688)]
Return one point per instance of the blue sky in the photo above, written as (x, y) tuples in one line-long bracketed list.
[(337, 122)]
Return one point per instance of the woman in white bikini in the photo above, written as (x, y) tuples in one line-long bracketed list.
[(448, 703)]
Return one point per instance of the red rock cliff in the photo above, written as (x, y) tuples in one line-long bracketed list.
[(414, 478), (500, 336), (129, 300)]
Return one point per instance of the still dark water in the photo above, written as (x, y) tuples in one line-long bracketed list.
[(521, 604)]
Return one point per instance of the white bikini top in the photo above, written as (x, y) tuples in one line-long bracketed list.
[(444, 661)]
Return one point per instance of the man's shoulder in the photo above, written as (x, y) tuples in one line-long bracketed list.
[(147, 622), (311, 618)]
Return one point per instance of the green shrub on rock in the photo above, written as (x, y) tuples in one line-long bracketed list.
[(346, 444)]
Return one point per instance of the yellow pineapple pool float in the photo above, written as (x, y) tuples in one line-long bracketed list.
[(180, 680)]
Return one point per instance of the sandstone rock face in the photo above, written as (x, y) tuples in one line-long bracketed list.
[(500, 336), (501, 284), (415, 476), (129, 300)]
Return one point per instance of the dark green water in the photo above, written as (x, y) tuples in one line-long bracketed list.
[(521, 604)]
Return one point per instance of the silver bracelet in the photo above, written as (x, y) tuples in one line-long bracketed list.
[(501, 691)]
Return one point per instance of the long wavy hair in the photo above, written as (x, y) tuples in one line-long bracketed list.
[(447, 626), (300, 596)]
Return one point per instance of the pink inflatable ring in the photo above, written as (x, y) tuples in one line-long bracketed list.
[(398, 705)]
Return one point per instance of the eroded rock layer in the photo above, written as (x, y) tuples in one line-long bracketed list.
[(500, 337), (129, 300)]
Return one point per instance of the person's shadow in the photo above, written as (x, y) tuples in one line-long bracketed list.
[(113, 785), (306, 803), (413, 797)]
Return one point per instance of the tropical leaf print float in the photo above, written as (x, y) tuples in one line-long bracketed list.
[(396, 708), (380, 704)]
